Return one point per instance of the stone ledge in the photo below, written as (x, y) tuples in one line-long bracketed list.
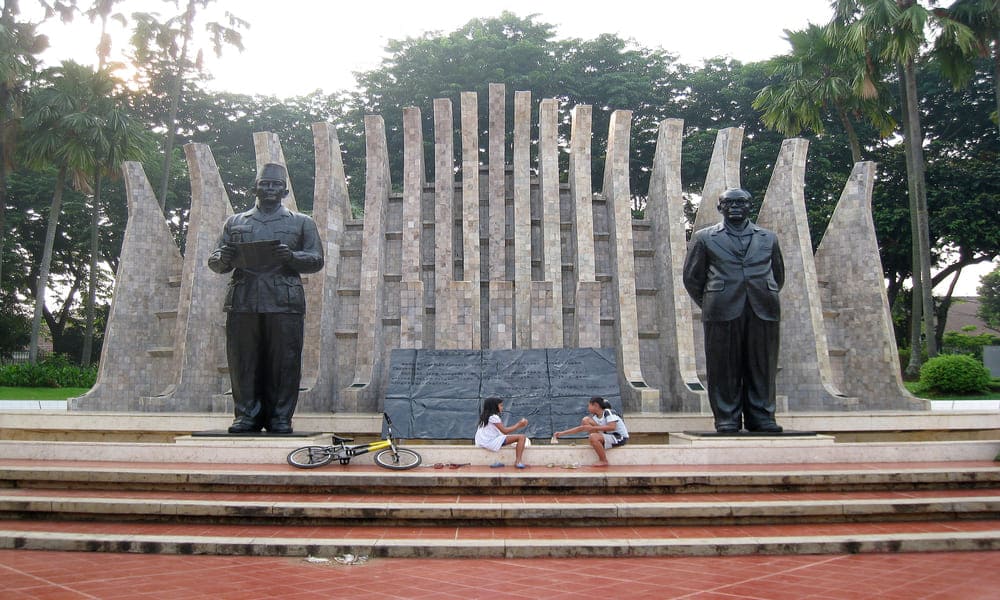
[(523, 510), (500, 548), (832, 423), (249, 451)]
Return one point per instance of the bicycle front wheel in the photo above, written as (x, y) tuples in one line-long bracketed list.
[(310, 457), (399, 459)]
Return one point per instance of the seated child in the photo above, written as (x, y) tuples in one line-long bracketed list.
[(606, 429), (492, 434)]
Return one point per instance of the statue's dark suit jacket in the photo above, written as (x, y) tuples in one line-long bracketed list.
[(721, 281)]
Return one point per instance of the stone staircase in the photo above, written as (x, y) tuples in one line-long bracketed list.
[(554, 510)]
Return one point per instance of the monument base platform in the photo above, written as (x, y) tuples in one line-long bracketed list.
[(751, 438), (222, 433)]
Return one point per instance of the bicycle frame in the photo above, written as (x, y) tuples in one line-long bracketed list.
[(353, 451)]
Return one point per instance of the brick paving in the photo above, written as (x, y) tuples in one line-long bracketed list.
[(105, 575), (69, 575)]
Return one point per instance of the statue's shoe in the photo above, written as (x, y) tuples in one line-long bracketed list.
[(279, 427), (244, 427)]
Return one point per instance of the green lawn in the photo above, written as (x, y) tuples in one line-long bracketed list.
[(22, 393)]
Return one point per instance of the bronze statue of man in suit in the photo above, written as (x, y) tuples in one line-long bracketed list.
[(734, 271), (266, 248)]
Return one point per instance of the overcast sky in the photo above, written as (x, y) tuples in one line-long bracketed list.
[(294, 47)]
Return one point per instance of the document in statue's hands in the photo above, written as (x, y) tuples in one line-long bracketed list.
[(256, 254)]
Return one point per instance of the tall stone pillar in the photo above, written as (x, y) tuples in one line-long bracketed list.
[(681, 389), (522, 220), (723, 173), (268, 150), (804, 361), (200, 336), (857, 315), (411, 289), (618, 193), (444, 220), (331, 211), (497, 260), (137, 359), (548, 175), (468, 291), (501, 289), (364, 392), (587, 301)]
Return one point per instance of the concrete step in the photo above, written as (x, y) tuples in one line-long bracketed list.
[(473, 479), (682, 451), (434, 510), (476, 511), (596, 540)]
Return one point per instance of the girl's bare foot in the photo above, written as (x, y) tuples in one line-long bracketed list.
[(600, 464)]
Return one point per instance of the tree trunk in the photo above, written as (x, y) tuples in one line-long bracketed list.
[(43, 269), (916, 298), (852, 136), (915, 143), (168, 144), (996, 73), (944, 307), (95, 221), (176, 87), (4, 99)]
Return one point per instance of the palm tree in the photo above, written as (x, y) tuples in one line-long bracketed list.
[(63, 130), (893, 32), (817, 76), (983, 18), (173, 39), (19, 47)]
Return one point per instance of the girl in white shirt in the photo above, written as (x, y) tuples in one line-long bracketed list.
[(492, 434), (605, 429)]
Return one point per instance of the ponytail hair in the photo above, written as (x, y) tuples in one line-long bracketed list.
[(601, 401), (604, 404), (491, 406)]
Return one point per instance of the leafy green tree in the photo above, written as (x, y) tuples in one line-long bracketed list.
[(816, 78), (989, 299), (62, 131), (169, 45), (608, 73), (15, 329), (983, 18), (890, 34), (20, 46), (30, 193)]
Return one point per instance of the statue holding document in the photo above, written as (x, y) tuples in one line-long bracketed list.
[(266, 248)]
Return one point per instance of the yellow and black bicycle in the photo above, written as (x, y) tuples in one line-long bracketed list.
[(388, 454)]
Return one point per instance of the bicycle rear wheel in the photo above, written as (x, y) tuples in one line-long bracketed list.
[(310, 457), (399, 459)]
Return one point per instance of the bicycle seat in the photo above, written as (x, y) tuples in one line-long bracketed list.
[(341, 440)]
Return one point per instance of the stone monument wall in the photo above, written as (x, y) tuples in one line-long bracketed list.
[(502, 256)]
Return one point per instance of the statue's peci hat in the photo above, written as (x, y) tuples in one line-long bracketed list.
[(273, 171)]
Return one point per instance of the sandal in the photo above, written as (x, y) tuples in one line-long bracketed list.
[(521, 466), (496, 465)]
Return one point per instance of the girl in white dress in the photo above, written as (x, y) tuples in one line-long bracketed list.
[(492, 434)]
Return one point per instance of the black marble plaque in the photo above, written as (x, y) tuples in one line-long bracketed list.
[(437, 394)]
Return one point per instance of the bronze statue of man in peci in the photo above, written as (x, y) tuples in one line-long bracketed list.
[(266, 248), (734, 271)]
